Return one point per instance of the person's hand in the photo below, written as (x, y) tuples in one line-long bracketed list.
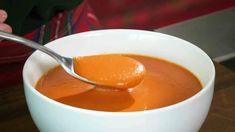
[(3, 26)]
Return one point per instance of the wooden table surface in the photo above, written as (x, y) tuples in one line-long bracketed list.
[(14, 115)]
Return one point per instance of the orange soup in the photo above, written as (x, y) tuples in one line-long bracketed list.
[(111, 70), (164, 84)]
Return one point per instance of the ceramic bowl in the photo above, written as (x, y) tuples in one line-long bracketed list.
[(186, 116)]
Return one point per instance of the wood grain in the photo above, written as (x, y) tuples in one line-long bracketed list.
[(14, 114), (221, 117)]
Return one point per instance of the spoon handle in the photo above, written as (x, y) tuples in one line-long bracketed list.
[(31, 44), (65, 62)]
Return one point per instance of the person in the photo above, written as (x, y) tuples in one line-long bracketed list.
[(41, 21), (3, 26)]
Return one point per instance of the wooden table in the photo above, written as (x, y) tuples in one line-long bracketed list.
[(14, 115)]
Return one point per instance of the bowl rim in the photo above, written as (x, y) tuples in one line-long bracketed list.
[(208, 84)]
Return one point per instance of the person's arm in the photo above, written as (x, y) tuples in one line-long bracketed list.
[(3, 26)]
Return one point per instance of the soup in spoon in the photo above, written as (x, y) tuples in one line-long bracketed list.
[(111, 70)]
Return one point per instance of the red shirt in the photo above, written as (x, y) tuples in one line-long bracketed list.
[(13, 55)]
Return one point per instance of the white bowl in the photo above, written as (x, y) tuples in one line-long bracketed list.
[(186, 116)]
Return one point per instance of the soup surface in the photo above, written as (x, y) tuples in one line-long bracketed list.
[(164, 84)]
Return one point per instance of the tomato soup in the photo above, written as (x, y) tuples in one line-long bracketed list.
[(110, 70), (164, 84)]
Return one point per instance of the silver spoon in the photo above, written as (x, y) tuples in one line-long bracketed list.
[(65, 62)]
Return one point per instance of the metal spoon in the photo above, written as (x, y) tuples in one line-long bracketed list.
[(65, 62)]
